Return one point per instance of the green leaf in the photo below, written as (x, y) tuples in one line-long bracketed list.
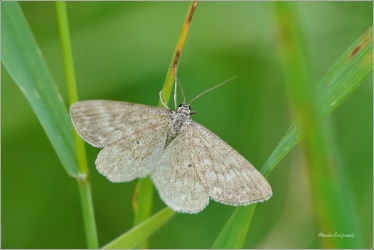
[(142, 231), (343, 78), (23, 60)]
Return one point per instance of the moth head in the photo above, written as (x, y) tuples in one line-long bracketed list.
[(185, 109)]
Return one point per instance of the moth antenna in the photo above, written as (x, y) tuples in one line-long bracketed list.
[(184, 97), (206, 91), (175, 90)]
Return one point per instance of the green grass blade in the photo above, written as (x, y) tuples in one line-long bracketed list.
[(23, 60), (145, 200), (235, 230), (346, 75), (342, 79), (142, 231)]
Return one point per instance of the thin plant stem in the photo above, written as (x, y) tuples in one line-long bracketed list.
[(142, 201), (171, 74), (83, 177)]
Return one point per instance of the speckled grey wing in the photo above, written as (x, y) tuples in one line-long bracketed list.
[(177, 180), (134, 156), (228, 177), (133, 136), (101, 122)]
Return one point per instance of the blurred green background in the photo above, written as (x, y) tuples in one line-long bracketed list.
[(122, 52)]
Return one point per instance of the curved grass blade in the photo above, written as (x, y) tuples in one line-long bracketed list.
[(342, 79), (23, 60), (235, 230), (142, 231)]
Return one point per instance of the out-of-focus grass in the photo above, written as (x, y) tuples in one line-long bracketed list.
[(117, 59), (326, 177), (333, 214)]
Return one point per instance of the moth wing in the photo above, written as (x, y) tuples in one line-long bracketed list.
[(134, 156), (101, 123), (177, 180), (227, 175)]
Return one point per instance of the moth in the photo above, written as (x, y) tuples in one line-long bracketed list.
[(188, 164)]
